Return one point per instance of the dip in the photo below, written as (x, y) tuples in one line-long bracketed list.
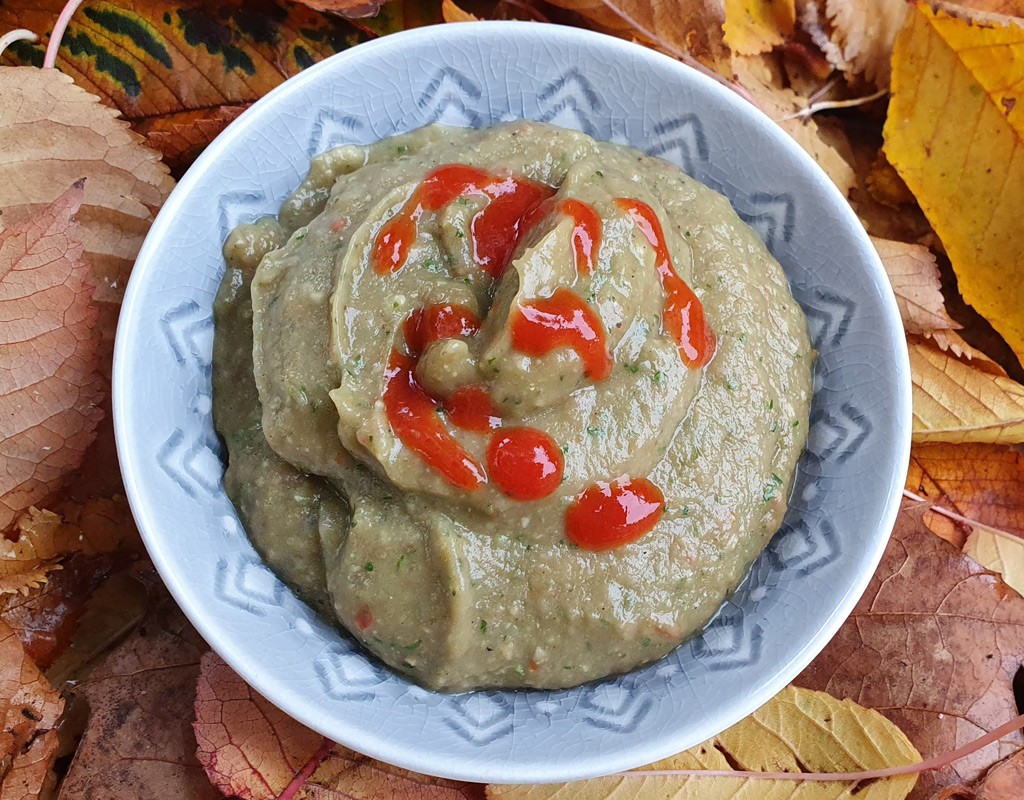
[(512, 406)]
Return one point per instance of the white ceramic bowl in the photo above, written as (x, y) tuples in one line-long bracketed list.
[(798, 592)]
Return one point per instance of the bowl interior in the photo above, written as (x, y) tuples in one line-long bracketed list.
[(797, 593)]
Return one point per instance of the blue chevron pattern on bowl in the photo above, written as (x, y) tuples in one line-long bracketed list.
[(796, 594)]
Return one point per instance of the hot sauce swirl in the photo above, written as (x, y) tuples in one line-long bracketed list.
[(683, 316), (525, 463), (563, 320), (494, 229)]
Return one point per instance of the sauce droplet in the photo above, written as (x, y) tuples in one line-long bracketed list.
[(471, 409), (439, 321), (364, 618), (562, 320), (683, 316), (494, 229), (608, 515), (414, 419), (525, 463)]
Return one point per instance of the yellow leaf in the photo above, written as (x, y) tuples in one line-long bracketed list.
[(999, 552), (953, 132), (954, 402), (452, 13), (798, 730), (756, 26)]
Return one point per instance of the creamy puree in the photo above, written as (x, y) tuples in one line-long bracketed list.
[(513, 406)]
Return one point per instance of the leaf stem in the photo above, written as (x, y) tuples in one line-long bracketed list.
[(936, 762), (308, 769), (17, 35), (827, 105), (61, 25), (945, 512)]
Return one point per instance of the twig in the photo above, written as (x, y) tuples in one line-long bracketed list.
[(826, 105), (936, 762), (61, 25), (945, 512), (17, 35)]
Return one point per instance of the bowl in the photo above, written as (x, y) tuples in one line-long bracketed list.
[(797, 593)]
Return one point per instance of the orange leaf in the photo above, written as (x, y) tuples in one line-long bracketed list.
[(346, 8), (49, 385), (29, 710), (934, 644), (181, 137), (252, 750), (452, 13)]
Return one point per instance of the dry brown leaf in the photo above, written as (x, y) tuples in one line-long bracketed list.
[(915, 280), (885, 184), (52, 133), (181, 137), (954, 132), (955, 402), (452, 13), (1003, 781), (29, 711), (762, 77), (933, 644), (756, 26), (139, 741), (252, 750), (352, 9), (50, 386), (864, 31), (693, 27), (46, 619), (798, 730)]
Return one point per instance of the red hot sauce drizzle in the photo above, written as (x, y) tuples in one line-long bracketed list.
[(471, 409), (494, 229), (683, 316), (439, 321), (608, 515), (562, 320)]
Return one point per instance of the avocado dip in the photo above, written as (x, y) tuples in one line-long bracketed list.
[(512, 406)]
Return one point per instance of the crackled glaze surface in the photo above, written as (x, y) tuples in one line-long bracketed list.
[(797, 593)]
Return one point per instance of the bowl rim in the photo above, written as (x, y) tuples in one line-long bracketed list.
[(349, 732)]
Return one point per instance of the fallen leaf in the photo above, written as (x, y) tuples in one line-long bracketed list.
[(45, 619), (915, 280), (934, 645), (1004, 780), (53, 133), (954, 402), (864, 31), (182, 137), (885, 184), (982, 482), (798, 730), (139, 740), (452, 13), (954, 133), (999, 552), (756, 26), (49, 381), (29, 710), (761, 76), (693, 27), (346, 8), (252, 750)]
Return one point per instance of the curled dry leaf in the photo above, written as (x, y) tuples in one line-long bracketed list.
[(955, 402), (796, 731), (29, 710), (50, 386), (1003, 781), (885, 184), (254, 751), (762, 78), (933, 644), (756, 26), (954, 132), (693, 27), (864, 31), (42, 537), (915, 280), (346, 8), (139, 741), (452, 13), (58, 133)]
